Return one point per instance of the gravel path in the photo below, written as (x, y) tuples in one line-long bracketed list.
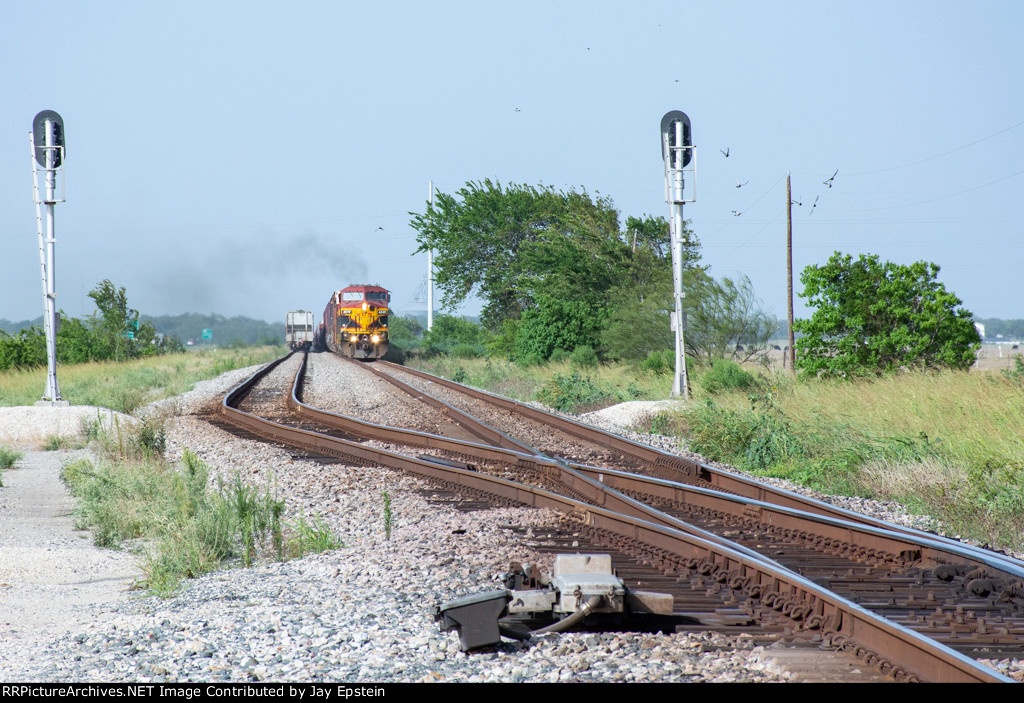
[(52, 580)]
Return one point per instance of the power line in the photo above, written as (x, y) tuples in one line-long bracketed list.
[(938, 156)]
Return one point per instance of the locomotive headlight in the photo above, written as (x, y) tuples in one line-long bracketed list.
[(375, 338), (364, 307), (355, 338)]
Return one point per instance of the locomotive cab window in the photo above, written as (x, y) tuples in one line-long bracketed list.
[(352, 295), (377, 296)]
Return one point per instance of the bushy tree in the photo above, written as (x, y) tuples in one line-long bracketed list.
[(725, 319), (404, 331), (873, 316), (449, 332), (550, 265)]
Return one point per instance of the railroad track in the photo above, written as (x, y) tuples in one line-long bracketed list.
[(752, 549)]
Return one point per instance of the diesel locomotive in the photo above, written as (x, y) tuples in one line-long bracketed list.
[(355, 323)]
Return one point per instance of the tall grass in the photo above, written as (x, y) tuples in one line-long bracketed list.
[(184, 523), (950, 444), (8, 457), (126, 385)]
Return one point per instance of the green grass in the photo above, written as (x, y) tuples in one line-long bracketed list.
[(126, 386), (182, 522), (8, 457), (947, 444)]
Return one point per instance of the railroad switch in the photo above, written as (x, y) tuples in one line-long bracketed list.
[(580, 585)]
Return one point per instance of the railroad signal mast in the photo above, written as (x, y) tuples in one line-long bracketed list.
[(47, 141), (679, 156)]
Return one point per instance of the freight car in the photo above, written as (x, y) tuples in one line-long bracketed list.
[(355, 323), (299, 329)]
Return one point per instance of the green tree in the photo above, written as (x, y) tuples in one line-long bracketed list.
[(118, 335), (449, 332), (724, 318), (404, 331), (872, 316)]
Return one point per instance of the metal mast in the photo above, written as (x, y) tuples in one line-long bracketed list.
[(47, 138), (677, 151)]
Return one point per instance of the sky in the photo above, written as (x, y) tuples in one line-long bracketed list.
[(249, 158)]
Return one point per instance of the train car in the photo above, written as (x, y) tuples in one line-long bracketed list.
[(299, 329), (355, 322)]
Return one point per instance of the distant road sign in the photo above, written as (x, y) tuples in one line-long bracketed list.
[(207, 334)]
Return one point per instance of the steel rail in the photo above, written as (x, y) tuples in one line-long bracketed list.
[(591, 481), (677, 468), (905, 651)]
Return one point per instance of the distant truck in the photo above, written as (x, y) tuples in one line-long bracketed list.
[(299, 329)]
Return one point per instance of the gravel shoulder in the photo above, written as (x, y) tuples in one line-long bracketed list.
[(52, 579)]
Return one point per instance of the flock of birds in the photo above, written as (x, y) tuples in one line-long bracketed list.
[(827, 182)]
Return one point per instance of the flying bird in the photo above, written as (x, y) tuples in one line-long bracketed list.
[(518, 110), (726, 152), (797, 202), (736, 213), (829, 181), (814, 204), (740, 185), (379, 229)]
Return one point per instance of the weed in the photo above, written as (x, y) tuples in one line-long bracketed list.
[(727, 375), (660, 424), (150, 438), (54, 442), (575, 393), (460, 375), (312, 538), (7, 458)]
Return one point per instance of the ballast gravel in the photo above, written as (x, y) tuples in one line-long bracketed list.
[(362, 613)]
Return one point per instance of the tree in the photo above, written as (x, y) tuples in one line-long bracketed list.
[(117, 333), (875, 317), (724, 318)]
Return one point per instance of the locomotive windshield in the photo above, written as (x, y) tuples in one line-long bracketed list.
[(377, 296), (352, 295)]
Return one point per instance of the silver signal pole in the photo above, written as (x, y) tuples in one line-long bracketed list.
[(430, 271), (677, 151), (48, 152)]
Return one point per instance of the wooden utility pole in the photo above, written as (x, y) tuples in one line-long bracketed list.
[(789, 272)]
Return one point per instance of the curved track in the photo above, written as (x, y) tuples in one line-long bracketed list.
[(674, 545)]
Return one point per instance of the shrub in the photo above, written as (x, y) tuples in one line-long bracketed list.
[(584, 356), (660, 362), (727, 375), (467, 351), (575, 393)]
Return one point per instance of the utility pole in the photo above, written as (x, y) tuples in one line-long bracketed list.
[(789, 272), (430, 267), (47, 140), (677, 151)]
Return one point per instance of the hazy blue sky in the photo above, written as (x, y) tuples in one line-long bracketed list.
[(280, 137)]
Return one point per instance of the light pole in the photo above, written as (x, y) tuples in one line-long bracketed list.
[(678, 152)]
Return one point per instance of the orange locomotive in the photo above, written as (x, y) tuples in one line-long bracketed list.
[(356, 323)]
